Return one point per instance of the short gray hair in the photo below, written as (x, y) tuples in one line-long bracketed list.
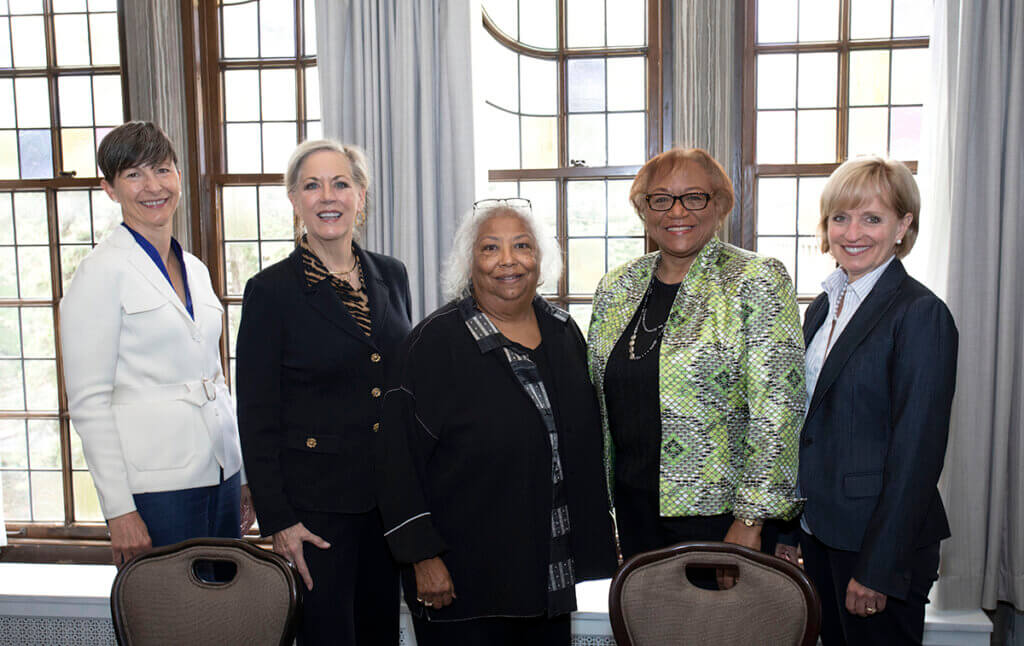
[(356, 159), (458, 267)]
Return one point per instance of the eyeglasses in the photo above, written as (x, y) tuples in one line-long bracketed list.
[(691, 201), (511, 202)]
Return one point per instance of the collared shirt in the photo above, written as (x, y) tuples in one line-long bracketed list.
[(731, 383), (155, 257)]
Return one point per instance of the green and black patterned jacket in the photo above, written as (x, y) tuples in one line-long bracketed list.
[(732, 381)]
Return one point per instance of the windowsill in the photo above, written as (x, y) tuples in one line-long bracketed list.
[(83, 591)]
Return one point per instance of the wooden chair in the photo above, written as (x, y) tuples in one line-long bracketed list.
[(652, 603), (168, 596)]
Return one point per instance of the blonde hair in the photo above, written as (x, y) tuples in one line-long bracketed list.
[(859, 180), (674, 160), (356, 159)]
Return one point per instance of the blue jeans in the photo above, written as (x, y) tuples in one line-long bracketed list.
[(175, 516)]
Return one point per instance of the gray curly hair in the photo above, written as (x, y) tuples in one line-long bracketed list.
[(455, 278)]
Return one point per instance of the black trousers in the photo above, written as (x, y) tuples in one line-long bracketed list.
[(495, 631), (902, 621), (354, 600)]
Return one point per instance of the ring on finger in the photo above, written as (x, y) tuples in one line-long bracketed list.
[(869, 610), (427, 603)]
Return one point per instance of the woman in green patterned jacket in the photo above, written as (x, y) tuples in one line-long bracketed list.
[(698, 358)]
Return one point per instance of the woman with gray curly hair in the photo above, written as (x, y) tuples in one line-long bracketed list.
[(491, 482)]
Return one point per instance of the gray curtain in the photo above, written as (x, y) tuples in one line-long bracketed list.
[(395, 78), (706, 75), (156, 88), (976, 175)]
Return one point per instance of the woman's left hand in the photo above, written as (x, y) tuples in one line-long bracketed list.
[(863, 601), (248, 512), (740, 534)]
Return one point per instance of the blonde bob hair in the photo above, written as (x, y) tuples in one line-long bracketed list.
[(673, 161), (356, 159), (858, 180), (458, 268)]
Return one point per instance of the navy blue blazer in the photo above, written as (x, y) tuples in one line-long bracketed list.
[(874, 439), (310, 384)]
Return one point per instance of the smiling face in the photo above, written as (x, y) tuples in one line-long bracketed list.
[(148, 196), (679, 232), (326, 198), (863, 238), (505, 262)]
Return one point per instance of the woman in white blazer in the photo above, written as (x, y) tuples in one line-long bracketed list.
[(140, 332)]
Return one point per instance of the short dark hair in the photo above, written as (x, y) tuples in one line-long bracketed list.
[(136, 143)]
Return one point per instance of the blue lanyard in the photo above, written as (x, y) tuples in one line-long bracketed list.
[(155, 257)]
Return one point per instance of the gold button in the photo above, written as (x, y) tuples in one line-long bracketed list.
[(311, 442), (375, 357), (376, 426), (375, 392)]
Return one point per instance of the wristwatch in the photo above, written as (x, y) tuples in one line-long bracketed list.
[(751, 522)]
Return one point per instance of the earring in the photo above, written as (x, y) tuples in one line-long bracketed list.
[(360, 218), (899, 240)]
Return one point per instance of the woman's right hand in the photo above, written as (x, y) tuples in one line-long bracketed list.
[(129, 537), (288, 543), (434, 587)]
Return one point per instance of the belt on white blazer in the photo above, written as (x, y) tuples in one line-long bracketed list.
[(198, 393)]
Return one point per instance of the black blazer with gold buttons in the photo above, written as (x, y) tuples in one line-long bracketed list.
[(309, 385)]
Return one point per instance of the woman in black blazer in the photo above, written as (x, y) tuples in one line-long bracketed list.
[(881, 370), (318, 333)]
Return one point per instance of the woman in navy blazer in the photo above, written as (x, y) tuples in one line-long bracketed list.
[(319, 331), (881, 370)]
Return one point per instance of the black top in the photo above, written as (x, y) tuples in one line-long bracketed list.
[(467, 468), (310, 384), (632, 395)]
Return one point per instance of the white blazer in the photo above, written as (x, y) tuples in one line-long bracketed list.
[(144, 381)]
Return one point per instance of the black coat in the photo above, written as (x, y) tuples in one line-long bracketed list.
[(467, 467), (310, 386), (874, 440)]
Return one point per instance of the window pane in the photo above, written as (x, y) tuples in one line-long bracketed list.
[(816, 136), (912, 18), (106, 50), (28, 41), (818, 84), (538, 24), (585, 24), (813, 266), (626, 138), (910, 71), (239, 204), (37, 332), (70, 257), (241, 95), (87, 503), (6, 219), (276, 220), (586, 84), (15, 489), (312, 94), (870, 19), (8, 155), (309, 27), (542, 200), (271, 252), (72, 32), (905, 135), (278, 92), (13, 444), (239, 31), (776, 21), (7, 103), (539, 83), (234, 318), (626, 23), (868, 129), (278, 141), (106, 214), (501, 86), (776, 80), (628, 78), (622, 217), (10, 339), (819, 20), (622, 250), (30, 218), (277, 28), (808, 209), (504, 15), (79, 151), (586, 208), (241, 261), (107, 95), (540, 142), (12, 386), (869, 77), (75, 94), (586, 264), (34, 272), (243, 147), (44, 443), (8, 275), (776, 133), (782, 248), (33, 100), (66, 6), (5, 42), (587, 138), (502, 128), (36, 154), (776, 205), (581, 313), (47, 496)]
